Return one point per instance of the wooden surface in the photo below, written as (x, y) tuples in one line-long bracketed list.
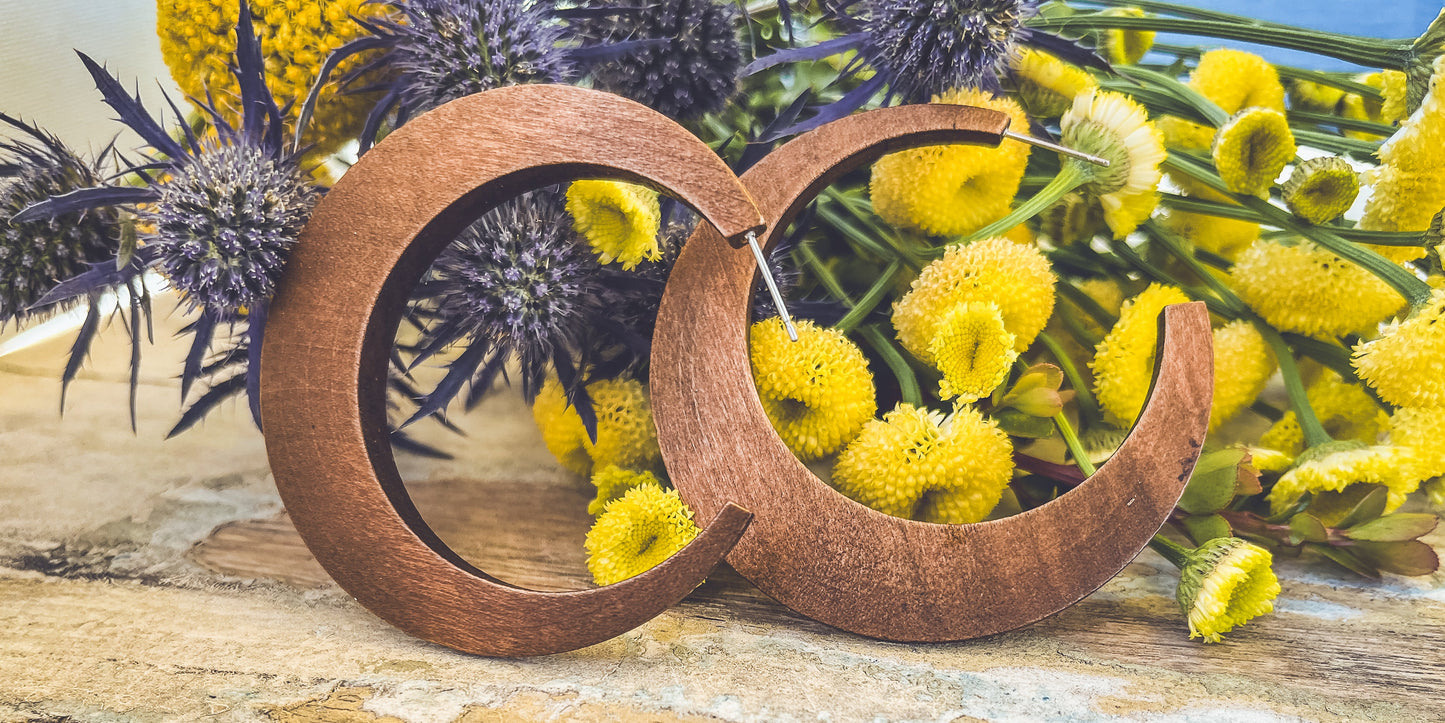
[(835, 560), (144, 580), (325, 364)]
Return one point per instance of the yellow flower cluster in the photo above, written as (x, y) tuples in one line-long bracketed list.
[(1243, 364), (637, 532), (1047, 85), (1345, 409), (817, 391), (1406, 365), (1123, 363), (619, 220), (198, 42), (1227, 583), (1252, 149), (1335, 466), (1306, 289), (612, 482), (1421, 430), (1233, 80), (973, 351), (915, 463), (626, 436), (1409, 185), (952, 190), (1321, 189), (1015, 278), (1127, 47), (1113, 126)]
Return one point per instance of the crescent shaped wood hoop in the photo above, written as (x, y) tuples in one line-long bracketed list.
[(332, 324), (837, 561)]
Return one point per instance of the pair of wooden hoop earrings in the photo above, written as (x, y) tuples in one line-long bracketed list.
[(325, 365)]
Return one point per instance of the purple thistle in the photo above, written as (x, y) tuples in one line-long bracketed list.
[(927, 47), (687, 60)]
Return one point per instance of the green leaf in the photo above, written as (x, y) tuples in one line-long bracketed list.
[(1018, 424), (1368, 508), (1212, 486), (1305, 527), (1394, 528), (1347, 559), (1246, 484), (1411, 557), (1203, 528)]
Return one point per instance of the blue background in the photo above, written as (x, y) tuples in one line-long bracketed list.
[(1372, 18)]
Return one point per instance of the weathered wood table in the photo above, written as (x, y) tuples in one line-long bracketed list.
[(143, 580)]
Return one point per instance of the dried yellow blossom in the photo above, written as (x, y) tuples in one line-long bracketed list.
[(952, 190), (1018, 279), (626, 436), (1422, 431), (1335, 466), (636, 533), (198, 43), (612, 482), (1124, 361), (973, 351), (914, 463), (817, 391), (1321, 189), (1309, 290), (619, 220), (1252, 149), (1126, 47), (1243, 364), (1115, 127), (1047, 85), (1226, 583), (1406, 365), (1224, 236)]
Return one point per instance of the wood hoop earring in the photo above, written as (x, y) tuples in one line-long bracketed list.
[(841, 563), (325, 358)]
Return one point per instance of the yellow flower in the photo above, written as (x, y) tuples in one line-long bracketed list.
[(1226, 583), (1393, 109), (619, 220), (1072, 219), (952, 190), (1105, 292), (973, 351), (636, 533), (1321, 189), (1313, 96), (1422, 431), (1185, 135), (198, 42), (1358, 107), (1409, 185), (1306, 289), (626, 436), (1243, 364), (1236, 80), (1344, 409), (1406, 365), (612, 482), (1269, 460), (1252, 149), (817, 391), (1115, 127), (1021, 234), (1223, 236), (1047, 85), (1127, 47), (1018, 279), (914, 463), (1124, 361), (1285, 436), (1335, 466)]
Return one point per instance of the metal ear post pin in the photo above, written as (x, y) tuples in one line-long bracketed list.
[(772, 284), (1065, 150)]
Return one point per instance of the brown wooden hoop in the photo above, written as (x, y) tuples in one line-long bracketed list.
[(841, 563), (325, 358)]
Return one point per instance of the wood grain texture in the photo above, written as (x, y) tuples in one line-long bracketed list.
[(325, 360), (841, 563)]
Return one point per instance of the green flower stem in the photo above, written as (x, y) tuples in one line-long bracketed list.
[(1294, 386), (1101, 316), (1088, 406), (1341, 81), (1171, 550), (1239, 213), (1204, 107), (858, 237), (1175, 247), (1369, 52), (862, 211), (1364, 150), (870, 300), (1072, 175), (908, 388), (1415, 291), (1336, 358), (1341, 122), (1076, 448)]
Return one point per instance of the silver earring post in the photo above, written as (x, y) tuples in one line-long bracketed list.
[(1070, 152), (772, 285)]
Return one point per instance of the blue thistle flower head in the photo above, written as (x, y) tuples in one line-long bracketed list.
[(36, 255), (683, 59), (927, 47), (441, 50)]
